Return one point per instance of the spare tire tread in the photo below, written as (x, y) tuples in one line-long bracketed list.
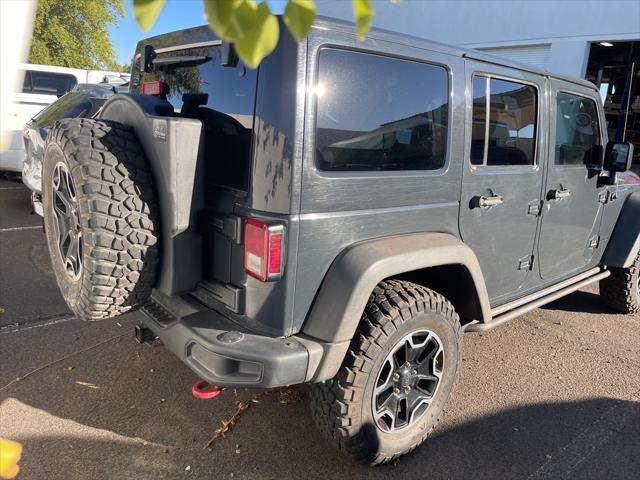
[(119, 216)]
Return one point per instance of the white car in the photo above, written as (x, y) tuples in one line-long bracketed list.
[(42, 85)]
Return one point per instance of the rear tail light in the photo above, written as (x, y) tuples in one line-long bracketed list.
[(155, 89), (263, 250)]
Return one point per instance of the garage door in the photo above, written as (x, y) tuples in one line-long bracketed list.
[(537, 55)]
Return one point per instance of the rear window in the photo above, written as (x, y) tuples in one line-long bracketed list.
[(228, 102), (76, 104), (380, 113), (504, 123), (48, 83)]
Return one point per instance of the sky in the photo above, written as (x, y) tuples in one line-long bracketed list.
[(176, 15)]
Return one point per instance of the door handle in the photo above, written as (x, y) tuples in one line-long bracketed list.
[(486, 202), (559, 194)]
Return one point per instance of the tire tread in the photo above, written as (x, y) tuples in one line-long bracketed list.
[(392, 303), (619, 290), (119, 215)]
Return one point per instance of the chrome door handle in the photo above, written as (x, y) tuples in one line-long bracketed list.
[(559, 194), (486, 202)]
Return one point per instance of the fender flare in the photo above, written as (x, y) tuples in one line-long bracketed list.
[(624, 245), (346, 288)]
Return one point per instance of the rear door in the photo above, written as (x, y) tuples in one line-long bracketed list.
[(574, 199), (222, 97), (502, 179)]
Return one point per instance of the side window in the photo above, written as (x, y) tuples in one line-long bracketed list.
[(577, 132), (26, 84), (49, 83), (380, 113), (503, 129)]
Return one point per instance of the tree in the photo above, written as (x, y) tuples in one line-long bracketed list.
[(74, 33), (251, 26), (123, 67)]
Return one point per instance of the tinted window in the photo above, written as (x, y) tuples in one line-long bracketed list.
[(504, 128), (49, 83), (577, 133), (26, 85), (223, 98), (379, 113), (72, 105), (479, 122)]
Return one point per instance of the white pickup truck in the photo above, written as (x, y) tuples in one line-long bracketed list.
[(42, 85)]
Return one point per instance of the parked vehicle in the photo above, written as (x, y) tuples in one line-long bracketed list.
[(43, 85), (340, 216), (83, 101)]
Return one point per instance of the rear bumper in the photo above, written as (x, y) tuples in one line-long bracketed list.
[(223, 354)]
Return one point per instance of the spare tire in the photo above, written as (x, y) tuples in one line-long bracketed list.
[(101, 217)]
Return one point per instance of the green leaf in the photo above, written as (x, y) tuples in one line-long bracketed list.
[(363, 13), (218, 15), (230, 19), (260, 40), (243, 18), (146, 12), (298, 17)]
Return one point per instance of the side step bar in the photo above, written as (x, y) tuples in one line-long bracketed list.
[(511, 310)]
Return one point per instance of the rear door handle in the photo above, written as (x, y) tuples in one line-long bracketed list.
[(486, 202), (559, 194)]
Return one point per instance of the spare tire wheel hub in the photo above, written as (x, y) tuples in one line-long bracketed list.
[(67, 221)]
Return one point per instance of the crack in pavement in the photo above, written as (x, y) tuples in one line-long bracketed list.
[(38, 322)]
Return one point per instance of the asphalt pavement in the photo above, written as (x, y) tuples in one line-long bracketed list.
[(552, 395)]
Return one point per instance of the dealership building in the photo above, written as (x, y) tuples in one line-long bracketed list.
[(594, 39)]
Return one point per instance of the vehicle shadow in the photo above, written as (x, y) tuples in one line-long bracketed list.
[(581, 302), (117, 422)]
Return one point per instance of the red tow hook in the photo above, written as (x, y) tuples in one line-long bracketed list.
[(202, 390)]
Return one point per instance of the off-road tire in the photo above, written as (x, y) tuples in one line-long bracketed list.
[(621, 290), (117, 215), (342, 406)]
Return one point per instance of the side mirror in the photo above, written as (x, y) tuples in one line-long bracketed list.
[(618, 157)]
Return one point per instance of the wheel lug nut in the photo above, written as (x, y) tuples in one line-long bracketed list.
[(415, 372), (396, 391)]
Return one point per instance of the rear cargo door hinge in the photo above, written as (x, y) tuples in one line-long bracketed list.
[(525, 263), (594, 241), (229, 226), (534, 208), (603, 197)]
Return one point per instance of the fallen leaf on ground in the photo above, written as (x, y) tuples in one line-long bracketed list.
[(225, 425), (289, 395)]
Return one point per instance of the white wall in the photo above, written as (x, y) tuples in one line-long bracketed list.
[(569, 26)]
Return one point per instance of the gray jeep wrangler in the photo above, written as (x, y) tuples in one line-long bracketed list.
[(339, 216)]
